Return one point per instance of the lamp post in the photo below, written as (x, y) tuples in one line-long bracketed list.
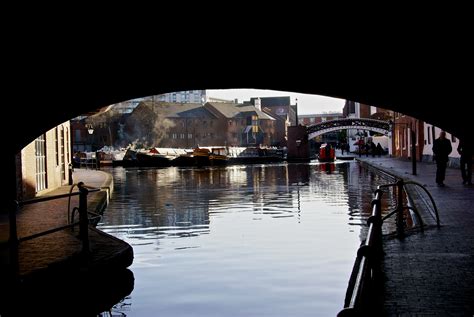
[(296, 111), (93, 156), (90, 130)]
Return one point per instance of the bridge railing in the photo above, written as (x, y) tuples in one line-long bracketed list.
[(366, 272)]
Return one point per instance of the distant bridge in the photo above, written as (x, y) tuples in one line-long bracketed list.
[(379, 126)]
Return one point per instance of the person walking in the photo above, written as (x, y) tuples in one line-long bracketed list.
[(441, 150), (465, 149)]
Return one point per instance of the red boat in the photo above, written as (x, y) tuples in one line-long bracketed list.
[(326, 153)]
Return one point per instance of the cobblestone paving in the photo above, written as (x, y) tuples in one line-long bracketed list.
[(432, 273)]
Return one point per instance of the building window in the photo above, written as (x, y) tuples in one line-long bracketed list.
[(56, 145), (190, 135), (428, 134), (68, 148), (40, 158), (77, 136), (63, 155), (182, 135)]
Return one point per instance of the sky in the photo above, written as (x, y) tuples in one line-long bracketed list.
[(307, 104)]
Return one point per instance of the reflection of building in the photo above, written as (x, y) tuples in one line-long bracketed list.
[(44, 163)]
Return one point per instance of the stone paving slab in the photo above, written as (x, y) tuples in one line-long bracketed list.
[(431, 273), (38, 255)]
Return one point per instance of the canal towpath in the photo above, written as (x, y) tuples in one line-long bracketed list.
[(431, 273), (40, 255)]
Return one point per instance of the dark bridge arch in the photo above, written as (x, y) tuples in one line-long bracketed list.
[(348, 123)]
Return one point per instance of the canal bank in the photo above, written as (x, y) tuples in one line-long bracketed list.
[(431, 273), (59, 255)]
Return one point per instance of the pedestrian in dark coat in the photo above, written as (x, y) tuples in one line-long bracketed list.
[(465, 149), (441, 150)]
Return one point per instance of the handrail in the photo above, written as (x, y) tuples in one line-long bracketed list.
[(411, 206), (83, 223), (45, 198), (52, 197), (36, 235), (365, 271), (366, 254), (431, 198)]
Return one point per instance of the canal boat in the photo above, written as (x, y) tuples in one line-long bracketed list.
[(326, 153)]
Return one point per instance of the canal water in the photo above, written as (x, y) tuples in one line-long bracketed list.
[(260, 240)]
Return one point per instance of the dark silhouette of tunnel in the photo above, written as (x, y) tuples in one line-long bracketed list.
[(67, 78)]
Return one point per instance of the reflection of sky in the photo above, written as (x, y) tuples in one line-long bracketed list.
[(274, 240)]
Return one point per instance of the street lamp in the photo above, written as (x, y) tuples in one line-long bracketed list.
[(90, 129)]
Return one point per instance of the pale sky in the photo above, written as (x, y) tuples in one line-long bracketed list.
[(307, 104)]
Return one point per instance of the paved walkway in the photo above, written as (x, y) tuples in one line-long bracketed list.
[(431, 273), (39, 254)]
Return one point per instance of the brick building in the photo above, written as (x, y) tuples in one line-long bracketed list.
[(188, 125), (43, 164), (282, 110)]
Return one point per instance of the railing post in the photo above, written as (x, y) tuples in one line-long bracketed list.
[(13, 239), (400, 222), (83, 219)]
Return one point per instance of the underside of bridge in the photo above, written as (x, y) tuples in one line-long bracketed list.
[(46, 96), (52, 79)]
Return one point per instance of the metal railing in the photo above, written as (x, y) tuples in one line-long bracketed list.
[(366, 273), (82, 223)]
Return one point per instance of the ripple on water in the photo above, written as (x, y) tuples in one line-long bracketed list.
[(275, 240)]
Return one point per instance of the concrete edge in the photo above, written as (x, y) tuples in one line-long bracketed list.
[(97, 202)]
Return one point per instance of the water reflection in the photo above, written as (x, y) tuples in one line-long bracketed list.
[(275, 240), (79, 295)]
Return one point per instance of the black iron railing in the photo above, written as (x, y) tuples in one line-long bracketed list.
[(82, 223), (366, 273)]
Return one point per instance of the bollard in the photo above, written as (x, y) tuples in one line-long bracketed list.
[(83, 219), (71, 169)]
